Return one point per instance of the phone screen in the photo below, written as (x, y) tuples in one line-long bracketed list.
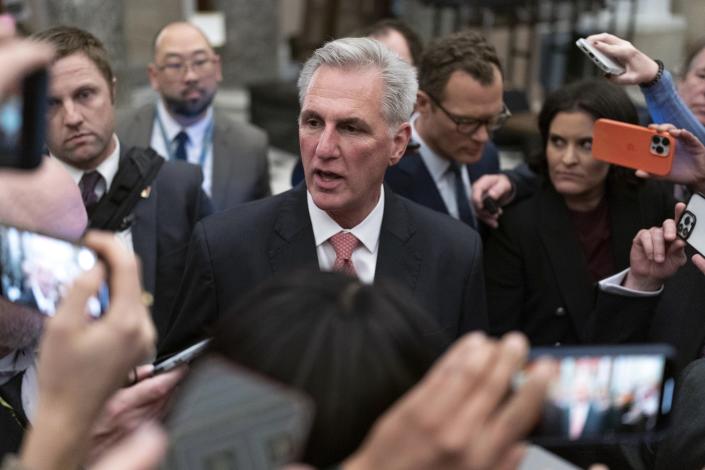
[(607, 396), (37, 270)]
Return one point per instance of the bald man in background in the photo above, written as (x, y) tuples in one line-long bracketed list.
[(184, 124)]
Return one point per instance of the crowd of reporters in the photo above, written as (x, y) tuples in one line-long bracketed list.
[(393, 356)]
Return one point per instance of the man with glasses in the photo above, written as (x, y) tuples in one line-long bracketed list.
[(184, 125), (459, 105)]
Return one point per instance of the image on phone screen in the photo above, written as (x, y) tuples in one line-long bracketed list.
[(37, 270), (606, 397)]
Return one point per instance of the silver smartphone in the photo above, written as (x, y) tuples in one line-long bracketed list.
[(691, 225), (604, 62), (226, 417), (36, 270)]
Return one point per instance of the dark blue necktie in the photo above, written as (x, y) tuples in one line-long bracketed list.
[(461, 197), (181, 140)]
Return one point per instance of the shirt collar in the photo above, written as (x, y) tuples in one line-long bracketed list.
[(195, 131), (366, 231), (437, 165), (107, 169)]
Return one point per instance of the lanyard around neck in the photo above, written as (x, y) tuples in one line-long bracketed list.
[(205, 143)]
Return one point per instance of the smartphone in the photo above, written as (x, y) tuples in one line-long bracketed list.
[(36, 270), (633, 146), (604, 62), (23, 123), (691, 225), (606, 394), (226, 417), (490, 205), (538, 458), (182, 357)]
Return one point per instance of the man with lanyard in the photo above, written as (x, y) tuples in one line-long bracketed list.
[(183, 125)]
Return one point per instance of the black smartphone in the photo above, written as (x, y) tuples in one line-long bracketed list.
[(36, 270), (490, 205), (606, 394), (23, 123), (227, 417)]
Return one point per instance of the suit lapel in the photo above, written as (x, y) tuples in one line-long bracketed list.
[(144, 235), (292, 245), (223, 160), (565, 256), (422, 188), (398, 258)]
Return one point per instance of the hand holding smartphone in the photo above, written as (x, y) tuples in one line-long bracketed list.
[(36, 270), (633, 146), (604, 62)]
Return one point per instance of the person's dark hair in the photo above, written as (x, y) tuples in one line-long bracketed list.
[(353, 348), (599, 99), (384, 26), (692, 50), (466, 51), (68, 40)]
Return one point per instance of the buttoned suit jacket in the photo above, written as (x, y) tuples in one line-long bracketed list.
[(537, 275), (438, 259), (240, 166), (161, 229)]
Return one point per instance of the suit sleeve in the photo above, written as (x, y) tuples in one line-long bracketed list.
[(505, 281), (196, 303), (263, 188), (475, 305), (620, 319)]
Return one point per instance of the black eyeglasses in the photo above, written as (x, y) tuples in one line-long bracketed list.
[(468, 125), (177, 68)]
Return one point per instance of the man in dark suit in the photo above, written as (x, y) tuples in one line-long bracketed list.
[(186, 72), (458, 106), (81, 135), (356, 97)]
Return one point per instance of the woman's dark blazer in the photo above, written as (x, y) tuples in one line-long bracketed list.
[(536, 274)]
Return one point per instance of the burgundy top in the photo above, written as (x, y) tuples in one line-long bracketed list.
[(594, 234)]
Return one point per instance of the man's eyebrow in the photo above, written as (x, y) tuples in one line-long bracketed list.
[(354, 121), (307, 113), (178, 55)]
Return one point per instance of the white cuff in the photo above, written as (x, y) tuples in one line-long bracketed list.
[(613, 285)]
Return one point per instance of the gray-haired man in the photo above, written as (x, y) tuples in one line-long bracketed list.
[(356, 97)]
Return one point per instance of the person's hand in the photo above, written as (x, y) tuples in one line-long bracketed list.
[(83, 361), (688, 162), (129, 408), (640, 68), (656, 254), (460, 415), (18, 56), (141, 450), (497, 186)]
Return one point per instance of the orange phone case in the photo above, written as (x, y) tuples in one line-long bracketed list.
[(633, 146)]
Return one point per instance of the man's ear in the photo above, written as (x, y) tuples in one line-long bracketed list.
[(152, 72), (399, 142), (423, 102), (113, 90), (218, 68)]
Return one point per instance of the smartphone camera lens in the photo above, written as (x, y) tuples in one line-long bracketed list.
[(659, 149), (656, 140)]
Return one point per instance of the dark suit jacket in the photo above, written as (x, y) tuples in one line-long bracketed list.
[(410, 177), (674, 317), (437, 258), (537, 276), (161, 231), (240, 165)]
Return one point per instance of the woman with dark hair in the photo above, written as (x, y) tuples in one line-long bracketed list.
[(353, 348), (543, 262)]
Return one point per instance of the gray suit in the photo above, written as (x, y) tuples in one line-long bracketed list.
[(240, 168)]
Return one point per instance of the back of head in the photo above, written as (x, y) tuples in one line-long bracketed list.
[(68, 40), (464, 51), (385, 26), (693, 50), (353, 348), (398, 77)]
